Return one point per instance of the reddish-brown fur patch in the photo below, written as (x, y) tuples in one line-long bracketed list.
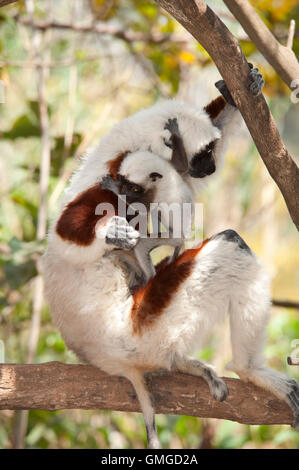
[(78, 221), (114, 164), (215, 107), (151, 300)]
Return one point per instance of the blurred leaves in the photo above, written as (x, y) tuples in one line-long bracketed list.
[(19, 263), (22, 127)]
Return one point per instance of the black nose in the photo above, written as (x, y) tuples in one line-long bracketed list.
[(202, 165)]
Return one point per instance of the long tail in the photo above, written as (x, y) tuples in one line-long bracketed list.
[(137, 379)]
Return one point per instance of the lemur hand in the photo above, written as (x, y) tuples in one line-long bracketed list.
[(172, 126), (121, 234), (255, 87)]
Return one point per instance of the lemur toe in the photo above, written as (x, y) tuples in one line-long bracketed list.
[(219, 390), (293, 400), (172, 126), (257, 81)]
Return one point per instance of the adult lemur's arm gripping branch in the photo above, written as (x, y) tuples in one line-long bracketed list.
[(226, 52)]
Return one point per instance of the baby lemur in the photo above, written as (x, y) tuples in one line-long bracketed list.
[(138, 261)]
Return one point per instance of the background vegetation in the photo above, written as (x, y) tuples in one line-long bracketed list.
[(64, 88)]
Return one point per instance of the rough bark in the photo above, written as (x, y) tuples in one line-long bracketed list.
[(227, 54), (55, 386), (282, 58)]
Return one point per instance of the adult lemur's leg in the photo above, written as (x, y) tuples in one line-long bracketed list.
[(217, 386), (225, 115), (248, 309), (227, 276)]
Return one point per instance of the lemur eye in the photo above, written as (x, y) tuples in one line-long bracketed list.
[(154, 176), (137, 189)]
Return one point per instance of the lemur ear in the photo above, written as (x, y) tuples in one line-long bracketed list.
[(154, 176)]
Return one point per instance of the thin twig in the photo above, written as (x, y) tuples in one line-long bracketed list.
[(285, 303), (292, 361), (291, 34), (103, 28), (282, 58)]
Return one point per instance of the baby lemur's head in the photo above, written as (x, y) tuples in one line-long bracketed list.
[(144, 177)]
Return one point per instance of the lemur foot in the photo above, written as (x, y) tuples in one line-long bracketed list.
[(257, 81), (121, 234), (293, 400), (281, 385), (217, 386), (255, 87)]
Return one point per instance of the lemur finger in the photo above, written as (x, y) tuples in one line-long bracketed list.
[(120, 243), (123, 233), (172, 126), (257, 86), (120, 240), (121, 221), (133, 233)]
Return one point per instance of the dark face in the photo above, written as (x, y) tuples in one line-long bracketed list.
[(133, 192), (203, 162)]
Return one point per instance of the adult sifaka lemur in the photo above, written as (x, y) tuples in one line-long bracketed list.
[(129, 333)]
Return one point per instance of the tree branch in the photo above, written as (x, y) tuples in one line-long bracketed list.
[(291, 34), (282, 58), (54, 386), (227, 54), (285, 303), (103, 28), (6, 2)]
